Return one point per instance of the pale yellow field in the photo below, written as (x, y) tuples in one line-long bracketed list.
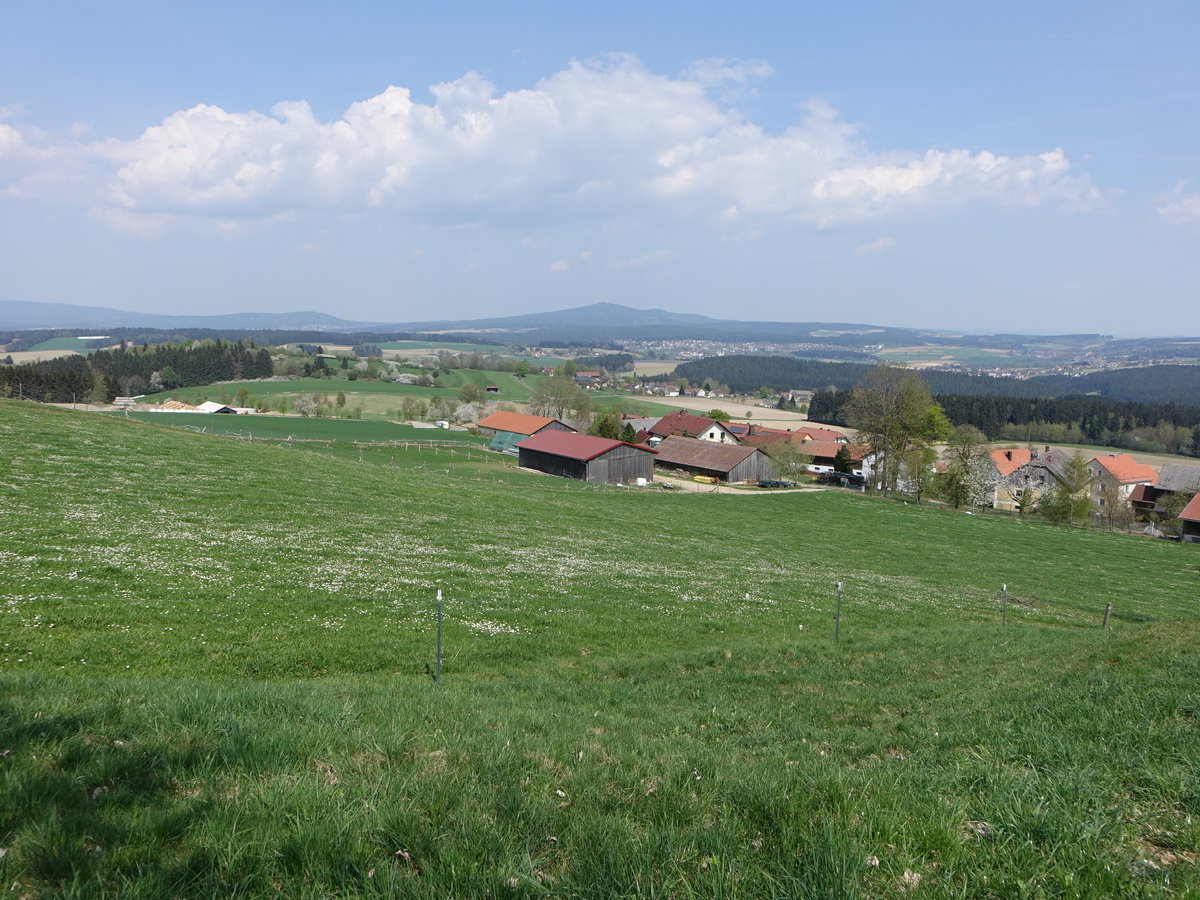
[(654, 367), (760, 415), (29, 356)]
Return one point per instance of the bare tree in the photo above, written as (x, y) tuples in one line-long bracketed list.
[(561, 398), (790, 461), (969, 474), (893, 410), (1113, 507)]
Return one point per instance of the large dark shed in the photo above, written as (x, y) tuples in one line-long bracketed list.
[(728, 462), (1190, 520), (595, 459)]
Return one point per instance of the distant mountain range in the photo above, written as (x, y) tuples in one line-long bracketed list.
[(18, 315), (596, 323)]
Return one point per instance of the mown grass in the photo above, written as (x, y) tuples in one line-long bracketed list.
[(215, 683), (432, 346), (63, 343), (297, 427), (375, 397)]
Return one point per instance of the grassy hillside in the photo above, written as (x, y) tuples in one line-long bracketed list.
[(298, 427), (214, 682), (376, 397)]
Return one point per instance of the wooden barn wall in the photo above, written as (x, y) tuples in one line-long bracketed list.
[(621, 465), (552, 465), (753, 467)]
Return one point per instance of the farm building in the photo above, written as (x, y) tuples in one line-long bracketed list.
[(728, 462), (1003, 463), (1173, 478), (803, 434), (1190, 519), (823, 453), (507, 428), (211, 406), (684, 424), (595, 459), (1119, 471)]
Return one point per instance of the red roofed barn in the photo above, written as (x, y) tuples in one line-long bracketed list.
[(1190, 517), (595, 459), (1120, 470)]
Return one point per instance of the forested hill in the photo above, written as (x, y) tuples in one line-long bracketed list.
[(1151, 384)]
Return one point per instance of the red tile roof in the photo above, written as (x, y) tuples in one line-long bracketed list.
[(1127, 470), (819, 434), (517, 423), (1008, 461), (574, 446), (831, 448), (681, 423), (681, 451), (1142, 493), (1191, 512), (814, 449)]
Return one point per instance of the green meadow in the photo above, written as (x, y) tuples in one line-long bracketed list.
[(299, 428), (63, 343), (429, 346), (377, 398), (216, 679)]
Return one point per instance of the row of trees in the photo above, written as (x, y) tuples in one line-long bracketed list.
[(896, 416), (103, 375), (1154, 428), (1151, 384)]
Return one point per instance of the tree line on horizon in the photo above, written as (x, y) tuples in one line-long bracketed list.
[(1145, 427), (106, 374), (1148, 384)]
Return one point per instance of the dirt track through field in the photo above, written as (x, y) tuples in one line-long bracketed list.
[(759, 415)]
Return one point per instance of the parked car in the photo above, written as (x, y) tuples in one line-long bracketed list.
[(842, 479)]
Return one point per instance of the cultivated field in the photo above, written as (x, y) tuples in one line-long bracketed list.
[(378, 399), (429, 348), (31, 356), (300, 428), (649, 367), (215, 680), (79, 345), (760, 415)]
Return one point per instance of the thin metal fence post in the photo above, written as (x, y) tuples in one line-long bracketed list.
[(1107, 610), (837, 613), (1004, 606), (437, 677)]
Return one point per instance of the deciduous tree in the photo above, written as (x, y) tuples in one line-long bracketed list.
[(790, 461), (559, 398), (892, 410), (968, 475), (606, 425), (1070, 500)]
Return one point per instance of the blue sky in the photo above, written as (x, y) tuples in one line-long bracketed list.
[(1017, 167)]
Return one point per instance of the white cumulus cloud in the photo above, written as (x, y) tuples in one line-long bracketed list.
[(876, 246), (1181, 208), (600, 139), (656, 257)]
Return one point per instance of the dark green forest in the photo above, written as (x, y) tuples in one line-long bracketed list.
[(13, 341), (1150, 384), (1147, 427), (106, 374)]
